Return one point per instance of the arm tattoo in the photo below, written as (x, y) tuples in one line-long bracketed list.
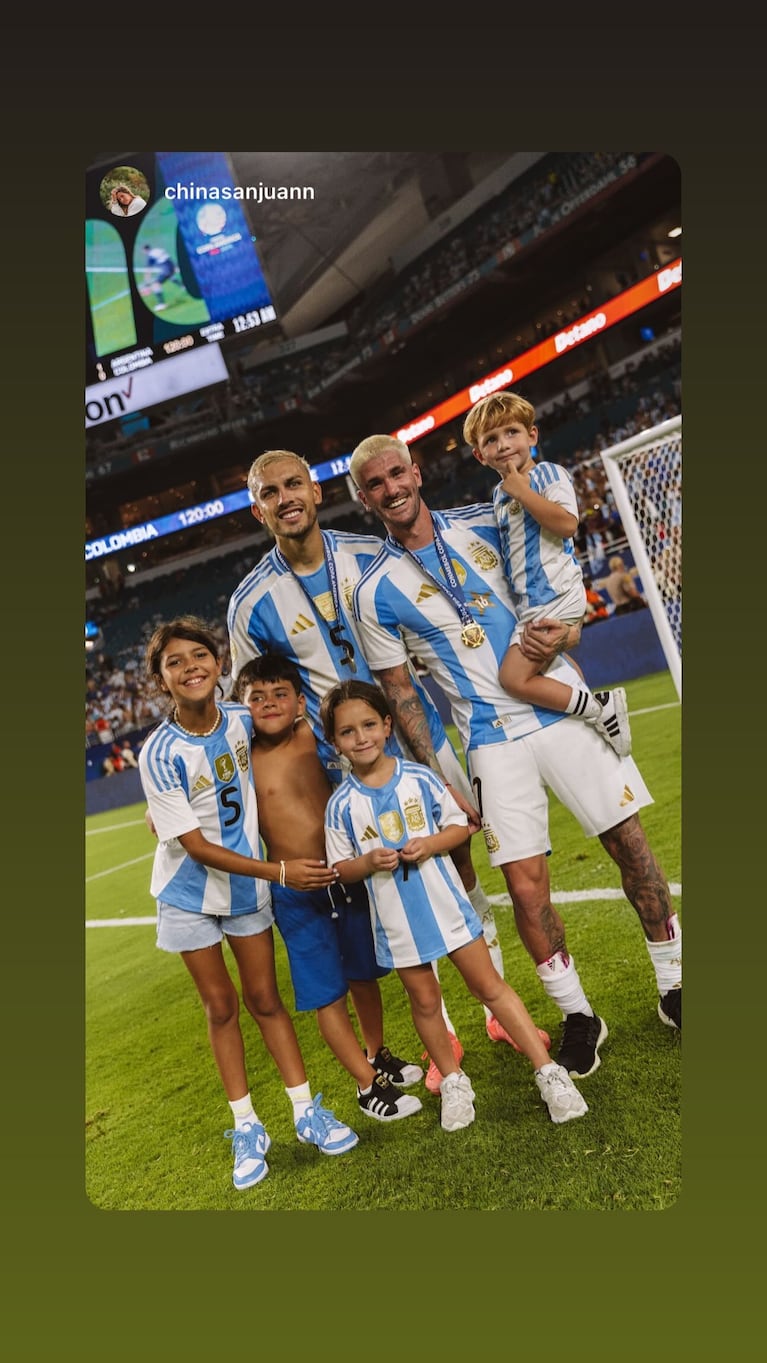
[(644, 883), (408, 714)]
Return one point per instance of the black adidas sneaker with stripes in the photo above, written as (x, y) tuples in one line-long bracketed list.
[(385, 1102), (614, 723)]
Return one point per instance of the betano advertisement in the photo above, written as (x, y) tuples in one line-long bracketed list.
[(590, 324)]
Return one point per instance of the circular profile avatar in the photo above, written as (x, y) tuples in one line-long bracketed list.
[(124, 192)]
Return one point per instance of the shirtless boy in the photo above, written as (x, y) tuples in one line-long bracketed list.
[(327, 935)]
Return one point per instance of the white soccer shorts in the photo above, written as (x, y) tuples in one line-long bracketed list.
[(509, 783)]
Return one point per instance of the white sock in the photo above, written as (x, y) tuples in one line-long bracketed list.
[(243, 1112), (445, 1015), (301, 1098), (562, 984), (484, 911), (583, 704), (667, 957)]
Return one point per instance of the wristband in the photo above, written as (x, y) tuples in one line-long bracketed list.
[(282, 873)]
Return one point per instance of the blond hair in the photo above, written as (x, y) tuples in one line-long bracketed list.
[(269, 457), (370, 447), (497, 409)]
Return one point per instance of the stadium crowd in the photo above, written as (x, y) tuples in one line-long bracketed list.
[(527, 208), (118, 701)]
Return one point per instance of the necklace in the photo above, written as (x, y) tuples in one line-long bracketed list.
[(192, 733)]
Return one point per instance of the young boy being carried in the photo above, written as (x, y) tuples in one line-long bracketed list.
[(327, 934), (536, 511)]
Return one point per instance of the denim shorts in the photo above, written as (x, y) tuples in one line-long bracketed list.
[(184, 930)]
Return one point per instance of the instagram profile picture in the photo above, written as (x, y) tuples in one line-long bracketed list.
[(124, 192)]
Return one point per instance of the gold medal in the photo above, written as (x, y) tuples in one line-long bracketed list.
[(472, 635)]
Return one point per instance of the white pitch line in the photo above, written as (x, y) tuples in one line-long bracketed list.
[(578, 896), (651, 709), (110, 871), (113, 827), (558, 897), (105, 302), (120, 922)]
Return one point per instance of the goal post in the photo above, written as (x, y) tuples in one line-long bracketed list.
[(645, 477)]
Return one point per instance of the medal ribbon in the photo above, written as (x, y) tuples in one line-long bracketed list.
[(451, 587), (335, 630)]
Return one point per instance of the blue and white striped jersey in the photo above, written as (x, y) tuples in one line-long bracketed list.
[(204, 783), (402, 612), (426, 915), (540, 566), (270, 612)]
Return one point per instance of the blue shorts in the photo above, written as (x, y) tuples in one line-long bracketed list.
[(184, 930), (325, 953)]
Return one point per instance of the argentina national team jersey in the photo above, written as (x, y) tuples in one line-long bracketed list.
[(270, 611), (539, 565), (203, 783), (402, 611), (427, 915)]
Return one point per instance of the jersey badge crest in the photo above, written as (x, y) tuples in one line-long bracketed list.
[(323, 604), (491, 841), (483, 555), (224, 766), (414, 815), (390, 824), (347, 588), (241, 753)]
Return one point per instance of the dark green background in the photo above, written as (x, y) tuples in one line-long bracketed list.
[(682, 1283)]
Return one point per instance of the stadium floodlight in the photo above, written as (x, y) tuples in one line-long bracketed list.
[(645, 476)]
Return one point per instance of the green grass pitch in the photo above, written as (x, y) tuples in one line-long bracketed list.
[(156, 1112)]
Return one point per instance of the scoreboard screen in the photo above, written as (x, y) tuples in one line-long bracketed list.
[(170, 261)]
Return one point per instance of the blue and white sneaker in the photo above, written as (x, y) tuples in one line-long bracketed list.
[(250, 1145), (320, 1127)]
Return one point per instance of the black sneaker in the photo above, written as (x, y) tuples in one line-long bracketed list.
[(385, 1102), (396, 1070), (670, 1008), (579, 1048)]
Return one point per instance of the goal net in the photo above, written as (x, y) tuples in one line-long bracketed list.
[(645, 475)]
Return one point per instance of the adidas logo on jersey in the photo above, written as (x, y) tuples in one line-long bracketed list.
[(628, 797), (302, 622), (202, 783), (426, 591), (369, 833)]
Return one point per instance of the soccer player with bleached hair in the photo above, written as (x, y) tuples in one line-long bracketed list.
[(438, 590)]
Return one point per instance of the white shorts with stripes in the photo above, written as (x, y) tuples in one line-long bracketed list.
[(510, 780)]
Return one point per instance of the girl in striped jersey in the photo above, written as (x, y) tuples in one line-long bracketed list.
[(537, 514), (210, 882), (392, 823)]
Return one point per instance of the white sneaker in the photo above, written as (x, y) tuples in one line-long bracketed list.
[(457, 1101), (614, 722), (559, 1093)]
